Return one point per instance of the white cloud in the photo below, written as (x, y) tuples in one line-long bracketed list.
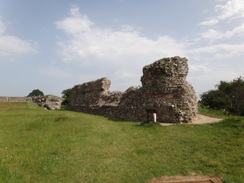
[(213, 34), (12, 46), (222, 27), (232, 9), (121, 54), (90, 42), (200, 67), (210, 22), (75, 24), (219, 70), (219, 51), (123, 50)]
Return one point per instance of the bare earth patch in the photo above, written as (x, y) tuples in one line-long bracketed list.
[(201, 119), (186, 179)]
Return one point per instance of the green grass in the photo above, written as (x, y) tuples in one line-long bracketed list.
[(42, 146), (211, 112)]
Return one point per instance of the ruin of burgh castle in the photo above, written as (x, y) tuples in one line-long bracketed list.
[(164, 91)]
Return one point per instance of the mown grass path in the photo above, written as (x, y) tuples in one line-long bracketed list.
[(38, 146)]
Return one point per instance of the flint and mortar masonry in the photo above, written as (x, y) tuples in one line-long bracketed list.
[(164, 90)]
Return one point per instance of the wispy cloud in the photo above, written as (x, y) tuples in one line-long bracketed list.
[(90, 42), (124, 50), (76, 23), (200, 68), (219, 50), (215, 34), (210, 22), (121, 54), (232, 9), (12, 46)]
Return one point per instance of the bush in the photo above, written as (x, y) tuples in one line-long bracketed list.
[(36, 93), (66, 94), (229, 96)]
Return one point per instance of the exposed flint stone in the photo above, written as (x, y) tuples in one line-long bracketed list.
[(50, 102), (164, 90)]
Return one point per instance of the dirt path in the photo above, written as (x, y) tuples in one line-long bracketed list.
[(201, 119), (186, 179)]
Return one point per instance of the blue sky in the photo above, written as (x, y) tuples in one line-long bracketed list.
[(53, 45)]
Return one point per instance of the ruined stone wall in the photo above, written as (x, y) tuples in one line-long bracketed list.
[(15, 99), (164, 91), (94, 97), (48, 101), (91, 94)]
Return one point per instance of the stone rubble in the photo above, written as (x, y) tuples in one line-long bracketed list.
[(50, 102)]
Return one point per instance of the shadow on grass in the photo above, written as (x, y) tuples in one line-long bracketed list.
[(149, 124), (143, 124), (119, 120)]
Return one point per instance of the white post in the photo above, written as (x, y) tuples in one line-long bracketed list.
[(154, 117)]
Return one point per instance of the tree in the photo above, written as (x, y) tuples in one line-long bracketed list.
[(215, 99), (228, 96), (238, 101), (66, 94), (35, 93)]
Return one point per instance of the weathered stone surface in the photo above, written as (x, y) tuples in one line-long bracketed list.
[(50, 102), (164, 91), (91, 94)]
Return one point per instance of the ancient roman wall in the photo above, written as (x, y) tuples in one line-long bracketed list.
[(48, 101), (15, 99), (164, 91)]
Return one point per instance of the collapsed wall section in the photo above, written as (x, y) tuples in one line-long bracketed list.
[(164, 91), (94, 97)]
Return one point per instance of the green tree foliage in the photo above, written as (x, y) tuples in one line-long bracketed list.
[(229, 96), (36, 93), (66, 94)]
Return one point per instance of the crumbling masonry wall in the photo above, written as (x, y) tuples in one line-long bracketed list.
[(164, 91), (50, 102), (15, 99)]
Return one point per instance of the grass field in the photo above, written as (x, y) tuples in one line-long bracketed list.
[(40, 146)]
